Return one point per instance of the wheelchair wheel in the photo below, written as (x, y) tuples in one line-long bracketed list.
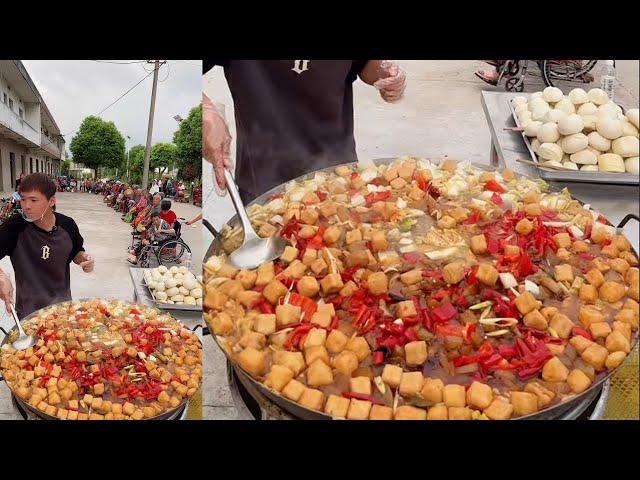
[(514, 84), (572, 71), (143, 258), (171, 251)]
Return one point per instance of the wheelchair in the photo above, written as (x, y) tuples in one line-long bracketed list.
[(167, 252)]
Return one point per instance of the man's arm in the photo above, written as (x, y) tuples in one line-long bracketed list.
[(371, 72), (6, 290), (85, 261), (387, 77)]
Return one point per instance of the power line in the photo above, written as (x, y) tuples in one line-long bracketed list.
[(119, 63), (189, 63)]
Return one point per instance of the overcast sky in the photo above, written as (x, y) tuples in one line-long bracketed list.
[(76, 89)]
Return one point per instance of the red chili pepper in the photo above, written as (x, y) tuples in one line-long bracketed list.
[(335, 321), (449, 330), (464, 360), (321, 195), (308, 306), (469, 330), (374, 197), (582, 332), (276, 196), (472, 278), (475, 217), (422, 181), (527, 372), (135, 311), (497, 199), (433, 274), (278, 268), (507, 351), (485, 350), (293, 341), (411, 334), (378, 357), (376, 181), (362, 396), (493, 186), (493, 245), (412, 257), (586, 256), (354, 175), (492, 361), (444, 313)]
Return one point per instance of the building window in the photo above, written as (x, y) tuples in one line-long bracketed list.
[(4, 98), (30, 164), (11, 104), (21, 113)]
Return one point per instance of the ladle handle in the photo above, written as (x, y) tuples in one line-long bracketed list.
[(249, 232), (15, 318)]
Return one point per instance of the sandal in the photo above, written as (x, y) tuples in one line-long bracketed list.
[(481, 75)]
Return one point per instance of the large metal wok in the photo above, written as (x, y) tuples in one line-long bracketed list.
[(12, 334), (553, 412)]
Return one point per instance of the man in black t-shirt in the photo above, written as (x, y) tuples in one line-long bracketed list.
[(41, 244), (292, 117)]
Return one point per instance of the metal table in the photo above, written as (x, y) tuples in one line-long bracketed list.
[(613, 201)]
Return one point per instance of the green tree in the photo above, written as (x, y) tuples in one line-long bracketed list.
[(136, 164), (163, 156), (98, 144), (65, 166), (188, 141)]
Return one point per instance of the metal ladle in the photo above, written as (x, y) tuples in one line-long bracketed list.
[(254, 250), (24, 341)]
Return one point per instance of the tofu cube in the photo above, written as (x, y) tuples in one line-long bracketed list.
[(98, 389), (349, 288), (623, 328), (554, 371), (336, 341), (511, 250), (318, 352), (580, 343), (392, 375), (614, 360), (588, 293), (296, 269), (411, 277), (252, 339), (380, 412), (432, 390), (579, 246), (346, 363), (595, 277), (563, 240), (619, 265), (454, 395), (459, 413), (309, 215), (479, 244), (453, 272), (274, 291), (332, 234), (247, 278), (499, 409), (310, 256), (600, 329), (406, 309), (278, 377), (353, 236), (610, 251), (611, 291), (336, 406), (359, 346), (253, 361), (532, 209), (595, 355), (479, 395), (315, 337), (562, 325), (487, 274), (293, 390), (563, 273), (360, 385), (359, 409), (524, 403), (319, 374), (322, 319), (377, 283), (331, 283), (379, 241), (617, 341), (411, 383), (290, 254), (407, 412), (588, 315), (526, 302), (534, 319), (415, 352), (292, 360), (578, 381), (319, 266), (265, 323), (312, 398), (266, 274), (328, 209), (446, 222), (524, 226), (287, 314), (438, 412), (227, 271)]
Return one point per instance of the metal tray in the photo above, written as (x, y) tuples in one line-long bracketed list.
[(572, 175), (169, 306)]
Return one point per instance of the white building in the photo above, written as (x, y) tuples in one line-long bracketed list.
[(30, 140)]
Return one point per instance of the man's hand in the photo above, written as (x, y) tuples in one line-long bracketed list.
[(392, 81), (85, 261), (216, 140), (6, 291)]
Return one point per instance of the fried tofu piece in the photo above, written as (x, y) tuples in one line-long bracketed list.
[(460, 413), (411, 277), (562, 325), (526, 302), (359, 409), (319, 374), (392, 375), (292, 360), (359, 346), (534, 319), (479, 244), (554, 371), (524, 403), (407, 412), (336, 341), (595, 277), (487, 274), (479, 395), (406, 309), (336, 406), (331, 283), (252, 360), (378, 283), (346, 362), (411, 383), (380, 412), (454, 395), (499, 410), (293, 390), (287, 314), (578, 381), (611, 291), (274, 290), (614, 360), (312, 398), (438, 412), (453, 272), (416, 352), (616, 341), (432, 390), (595, 355), (278, 377)]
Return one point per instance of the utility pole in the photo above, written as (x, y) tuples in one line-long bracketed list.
[(147, 150)]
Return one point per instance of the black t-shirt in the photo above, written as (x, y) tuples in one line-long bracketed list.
[(40, 260), (292, 117)]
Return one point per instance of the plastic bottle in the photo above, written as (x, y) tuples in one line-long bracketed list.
[(608, 80), (187, 261)]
